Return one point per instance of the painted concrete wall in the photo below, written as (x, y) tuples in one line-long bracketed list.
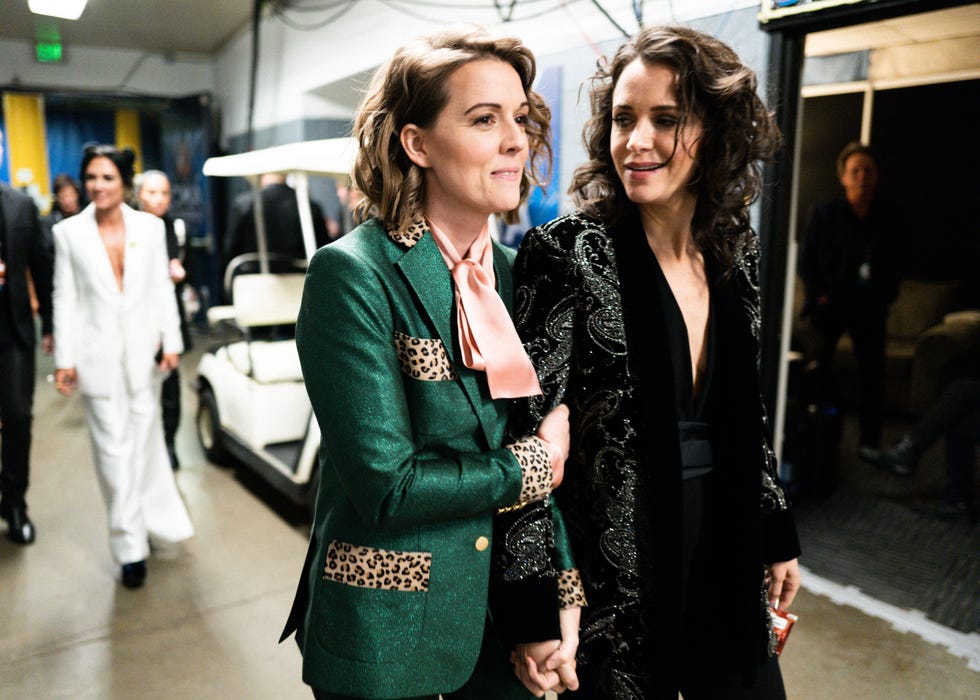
[(311, 82), (315, 74)]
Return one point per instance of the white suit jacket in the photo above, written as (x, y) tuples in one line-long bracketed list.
[(99, 328)]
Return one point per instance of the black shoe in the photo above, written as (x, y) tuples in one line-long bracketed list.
[(869, 454), (134, 574), (901, 458), (954, 510), (172, 453), (20, 529)]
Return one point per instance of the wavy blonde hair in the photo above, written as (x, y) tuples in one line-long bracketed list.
[(411, 89)]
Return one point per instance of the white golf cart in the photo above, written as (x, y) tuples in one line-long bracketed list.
[(253, 405)]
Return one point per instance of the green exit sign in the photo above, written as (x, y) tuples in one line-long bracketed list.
[(49, 51)]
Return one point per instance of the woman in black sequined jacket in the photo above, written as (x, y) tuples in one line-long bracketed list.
[(641, 312)]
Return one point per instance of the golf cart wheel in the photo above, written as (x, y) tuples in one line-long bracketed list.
[(209, 428)]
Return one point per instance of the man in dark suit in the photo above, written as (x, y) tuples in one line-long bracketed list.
[(851, 265), (282, 224), (22, 249)]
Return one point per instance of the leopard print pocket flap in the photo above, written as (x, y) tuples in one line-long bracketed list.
[(423, 358), (384, 569)]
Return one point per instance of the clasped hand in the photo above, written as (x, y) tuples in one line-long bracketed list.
[(550, 665)]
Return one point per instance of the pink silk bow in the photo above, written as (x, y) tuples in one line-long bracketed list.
[(487, 337)]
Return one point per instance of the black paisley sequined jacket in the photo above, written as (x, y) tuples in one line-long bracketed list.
[(620, 499)]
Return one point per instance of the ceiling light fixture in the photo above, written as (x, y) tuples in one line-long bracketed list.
[(65, 9)]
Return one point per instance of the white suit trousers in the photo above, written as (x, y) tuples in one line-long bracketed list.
[(134, 471)]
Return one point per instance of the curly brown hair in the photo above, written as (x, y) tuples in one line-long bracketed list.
[(738, 133), (410, 88)]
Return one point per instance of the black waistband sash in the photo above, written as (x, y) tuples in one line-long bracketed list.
[(695, 448)]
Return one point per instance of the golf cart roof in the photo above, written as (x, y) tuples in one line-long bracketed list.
[(332, 157), (323, 157)]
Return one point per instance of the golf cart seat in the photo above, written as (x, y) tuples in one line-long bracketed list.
[(266, 361), (248, 264), (264, 300), (267, 299)]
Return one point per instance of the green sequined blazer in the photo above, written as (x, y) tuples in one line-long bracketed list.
[(392, 601)]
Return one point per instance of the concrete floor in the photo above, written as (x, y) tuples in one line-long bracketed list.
[(207, 622)]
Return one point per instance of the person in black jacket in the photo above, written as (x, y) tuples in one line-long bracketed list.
[(154, 197), (22, 249), (641, 312), (850, 265), (956, 416), (283, 232)]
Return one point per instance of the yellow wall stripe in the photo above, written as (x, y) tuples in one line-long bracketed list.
[(27, 143), (128, 134)]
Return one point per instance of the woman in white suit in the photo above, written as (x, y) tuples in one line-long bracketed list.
[(117, 334)]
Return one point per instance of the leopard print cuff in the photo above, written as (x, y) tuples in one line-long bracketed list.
[(571, 592), (535, 462), (385, 569)]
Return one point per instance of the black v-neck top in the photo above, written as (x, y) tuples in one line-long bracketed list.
[(689, 405), (692, 425)]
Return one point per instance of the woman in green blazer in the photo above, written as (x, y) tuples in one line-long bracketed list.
[(409, 357)]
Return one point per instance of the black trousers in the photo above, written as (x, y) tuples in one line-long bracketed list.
[(17, 365), (864, 322), (704, 682), (704, 678), (955, 415), (699, 671), (170, 405)]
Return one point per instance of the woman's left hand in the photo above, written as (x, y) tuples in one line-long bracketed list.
[(529, 666), (177, 272), (169, 361), (543, 666), (65, 380), (782, 581)]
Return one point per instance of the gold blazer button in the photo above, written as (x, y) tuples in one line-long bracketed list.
[(481, 543)]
